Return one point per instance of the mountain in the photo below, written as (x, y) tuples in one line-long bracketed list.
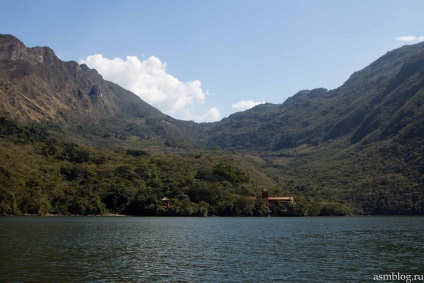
[(361, 143), (381, 101), (355, 148), (36, 86)]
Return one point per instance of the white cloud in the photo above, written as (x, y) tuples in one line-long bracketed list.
[(245, 104), (212, 115), (410, 38), (150, 81)]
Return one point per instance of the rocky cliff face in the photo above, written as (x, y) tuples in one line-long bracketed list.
[(36, 86), (13, 49)]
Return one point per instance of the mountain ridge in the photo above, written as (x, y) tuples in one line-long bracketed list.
[(354, 148), (37, 86), (333, 113), (79, 96)]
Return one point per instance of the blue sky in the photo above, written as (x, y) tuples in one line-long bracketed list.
[(203, 60)]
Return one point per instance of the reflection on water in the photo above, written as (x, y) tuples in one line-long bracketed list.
[(117, 249)]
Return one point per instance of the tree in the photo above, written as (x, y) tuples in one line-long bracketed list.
[(116, 200)]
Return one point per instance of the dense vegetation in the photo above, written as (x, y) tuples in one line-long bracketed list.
[(382, 178), (42, 175)]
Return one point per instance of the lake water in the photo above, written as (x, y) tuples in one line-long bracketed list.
[(159, 249)]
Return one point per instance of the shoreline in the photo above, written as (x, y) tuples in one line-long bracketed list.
[(67, 215)]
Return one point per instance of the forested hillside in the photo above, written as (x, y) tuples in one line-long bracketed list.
[(42, 175), (73, 143)]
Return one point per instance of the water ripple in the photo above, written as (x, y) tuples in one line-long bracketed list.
[(90, 249)]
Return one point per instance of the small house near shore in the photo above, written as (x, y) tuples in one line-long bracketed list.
[(272, 200), (265, 195), (166, 202)]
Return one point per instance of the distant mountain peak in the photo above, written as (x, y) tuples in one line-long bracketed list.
[(11, 48)]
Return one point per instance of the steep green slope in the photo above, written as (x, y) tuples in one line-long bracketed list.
[(40, 175)]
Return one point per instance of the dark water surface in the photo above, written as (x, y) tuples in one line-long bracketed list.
[(158, 249)]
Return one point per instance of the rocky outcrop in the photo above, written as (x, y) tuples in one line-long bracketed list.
[(36, 86), (13, 49)]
